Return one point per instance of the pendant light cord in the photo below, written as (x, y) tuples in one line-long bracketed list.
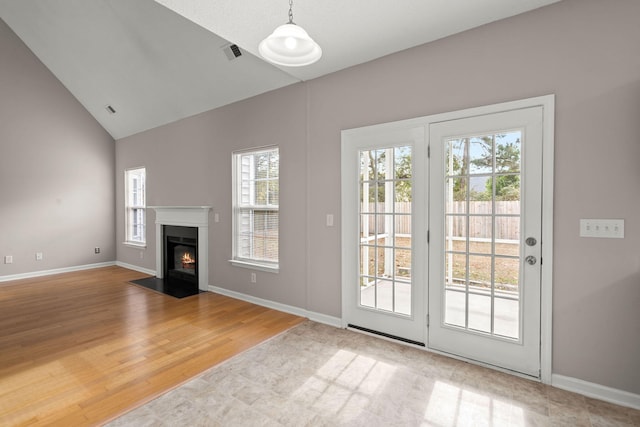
[(291, 12)]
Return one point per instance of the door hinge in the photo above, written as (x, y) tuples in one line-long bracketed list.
[(428, 151), (428, 235), (427, 320)]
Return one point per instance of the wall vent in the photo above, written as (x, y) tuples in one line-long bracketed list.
[(232, 51)]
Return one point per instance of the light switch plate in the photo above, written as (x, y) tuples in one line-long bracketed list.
[(329, 220), (604, 228)]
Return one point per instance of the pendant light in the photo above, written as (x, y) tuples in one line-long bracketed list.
[(290, 45)]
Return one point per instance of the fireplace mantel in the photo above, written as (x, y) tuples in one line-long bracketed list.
[(186, 216)]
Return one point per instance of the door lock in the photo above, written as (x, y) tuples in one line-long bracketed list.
[(531, 260), (531, 241)]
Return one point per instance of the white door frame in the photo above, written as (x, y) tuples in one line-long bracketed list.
[(547, 102)]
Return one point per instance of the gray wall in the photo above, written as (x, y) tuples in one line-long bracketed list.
[(587, 53), (189, 163), (56, 170), (584, 51)]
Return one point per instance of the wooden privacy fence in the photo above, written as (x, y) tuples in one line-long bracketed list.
[(480, 226)]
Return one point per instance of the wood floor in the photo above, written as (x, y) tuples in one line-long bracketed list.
[(82, 348)]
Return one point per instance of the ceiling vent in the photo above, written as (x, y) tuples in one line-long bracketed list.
[(232, 51)]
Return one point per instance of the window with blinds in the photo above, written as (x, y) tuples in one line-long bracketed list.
[(135, 206), (256, 208)]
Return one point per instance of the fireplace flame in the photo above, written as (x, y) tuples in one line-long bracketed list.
[(187, 261), (186, 258)]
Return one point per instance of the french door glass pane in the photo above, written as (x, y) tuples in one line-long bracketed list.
[(505, 319), (403, 264), (455, 308), (482, 233), (456, 163), (479, 273), (380, 166), (506, 273), (508, 148), (455, 231), (456, 270), (481, 155), (385, 229), (402, 297), (456, 194), (480, 245), (479, 306)]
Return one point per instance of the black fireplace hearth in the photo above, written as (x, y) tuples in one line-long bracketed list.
[(169, 286)]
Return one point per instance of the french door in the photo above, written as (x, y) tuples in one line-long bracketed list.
[(442, 233), (383, 246), (484, 254)]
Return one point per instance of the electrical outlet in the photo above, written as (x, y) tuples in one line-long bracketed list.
[(96, 250), (38, 256), (605, 228), (253, 278), (8, 259)]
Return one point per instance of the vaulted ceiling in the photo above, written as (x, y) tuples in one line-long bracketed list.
[(155, 62)]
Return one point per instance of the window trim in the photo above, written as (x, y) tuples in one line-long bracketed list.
[(251, 263), (127, 238)]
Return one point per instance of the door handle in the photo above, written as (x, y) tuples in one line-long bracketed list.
[(531, 260)]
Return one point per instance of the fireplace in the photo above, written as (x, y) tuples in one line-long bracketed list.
[(181, 254), (193, 239)]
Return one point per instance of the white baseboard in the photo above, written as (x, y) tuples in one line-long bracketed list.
[(596, 391), (311, 315), (336, 322), (55, 271), (136, 268)]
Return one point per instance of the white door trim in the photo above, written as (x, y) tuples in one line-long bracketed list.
[(547, 102)]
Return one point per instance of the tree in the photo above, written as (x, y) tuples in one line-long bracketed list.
[(403, 173), (375, 163), (459, 166), (508, 162)]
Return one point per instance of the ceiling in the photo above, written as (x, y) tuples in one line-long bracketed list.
[(155, 62)]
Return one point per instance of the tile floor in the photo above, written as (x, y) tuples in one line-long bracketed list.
[(316, 375)]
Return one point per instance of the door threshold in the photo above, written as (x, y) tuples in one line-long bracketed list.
[(383, 334)]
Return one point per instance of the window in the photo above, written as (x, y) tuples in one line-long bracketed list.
[(135, 206), (255, 208)]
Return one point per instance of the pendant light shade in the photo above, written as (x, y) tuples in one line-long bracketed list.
[(290, 45)]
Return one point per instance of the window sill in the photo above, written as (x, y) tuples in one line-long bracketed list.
[(135, 245), (255, 266)]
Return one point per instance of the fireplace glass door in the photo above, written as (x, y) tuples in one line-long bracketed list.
[(181, 253)]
